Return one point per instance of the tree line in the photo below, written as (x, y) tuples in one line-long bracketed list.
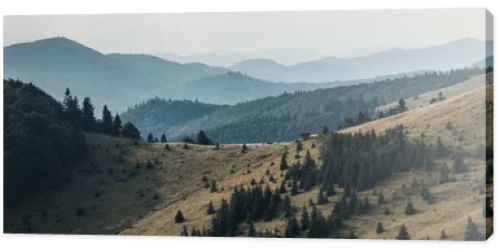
[(85, 118)]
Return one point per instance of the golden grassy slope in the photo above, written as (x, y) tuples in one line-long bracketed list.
[(144, 201), (115, 194), (454, 201)]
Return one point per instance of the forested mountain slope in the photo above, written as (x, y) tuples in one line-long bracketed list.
[(284, 117), (156, 115)]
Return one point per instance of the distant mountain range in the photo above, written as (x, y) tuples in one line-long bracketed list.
[(224, 58), (285, 116), (116, 79), (121, 80), (456, 54)]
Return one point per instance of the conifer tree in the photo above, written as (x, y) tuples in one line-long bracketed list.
[(283, 186), (107, 121), (244, 148), (298, 146), (292, 228), (440, 149), (295, 188), (325, 130), (443, 235), (71, 108), (88, 117), (304, 220), (251, 230), (150, 138), (117, 126), (410, 209), (163, 138), (322, 198), (213, 186), (130, 131), (403, 233), (179, 218), (210, 209), (459, 165), (203, 139), (283, 162), (472, 231), (330, 190), (184, 231), (380, 198), (379, 228)]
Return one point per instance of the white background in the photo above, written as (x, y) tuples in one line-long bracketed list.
[(51, 242)]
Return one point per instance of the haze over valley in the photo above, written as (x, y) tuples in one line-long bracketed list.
[(349, 124)]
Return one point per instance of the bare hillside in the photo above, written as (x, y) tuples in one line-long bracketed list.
[(425, 99)]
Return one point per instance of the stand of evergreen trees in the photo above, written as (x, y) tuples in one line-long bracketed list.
[(354, 162), (361, 160), (43, 138), (85, 119)]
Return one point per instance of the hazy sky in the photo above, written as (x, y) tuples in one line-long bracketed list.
[(325, 31)]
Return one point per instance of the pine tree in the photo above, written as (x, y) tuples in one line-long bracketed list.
[(130, 131), (287, 207), (403, 233), (107, 121), (283, 186), (440, 149), (150, 138), (251, 230), (443, 235), (380, 198), (472, 231), (325, 130), (203, 139), (330, 190), (410, 209), (298, 146), (292, 228), (184, 231), (322, 198), (179, 218), (71, 108), (117, 126), (402, 105), (213, 187), (352, 235), (244, 148), (380, 228), (295, 188), (459, 165), (163, 138), (210, 209), (304, 220), (283, 162), (88, 117)]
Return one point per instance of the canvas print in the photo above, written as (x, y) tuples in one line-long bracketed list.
[(373, 124)]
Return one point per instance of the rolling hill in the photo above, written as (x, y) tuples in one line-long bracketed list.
[(453, 55), (284, 117), (156, 115), (137, 188), (57, 63)]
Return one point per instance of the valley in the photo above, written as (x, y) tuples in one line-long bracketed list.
[(133, 187)]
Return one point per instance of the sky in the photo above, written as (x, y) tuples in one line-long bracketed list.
[(191, 33)]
